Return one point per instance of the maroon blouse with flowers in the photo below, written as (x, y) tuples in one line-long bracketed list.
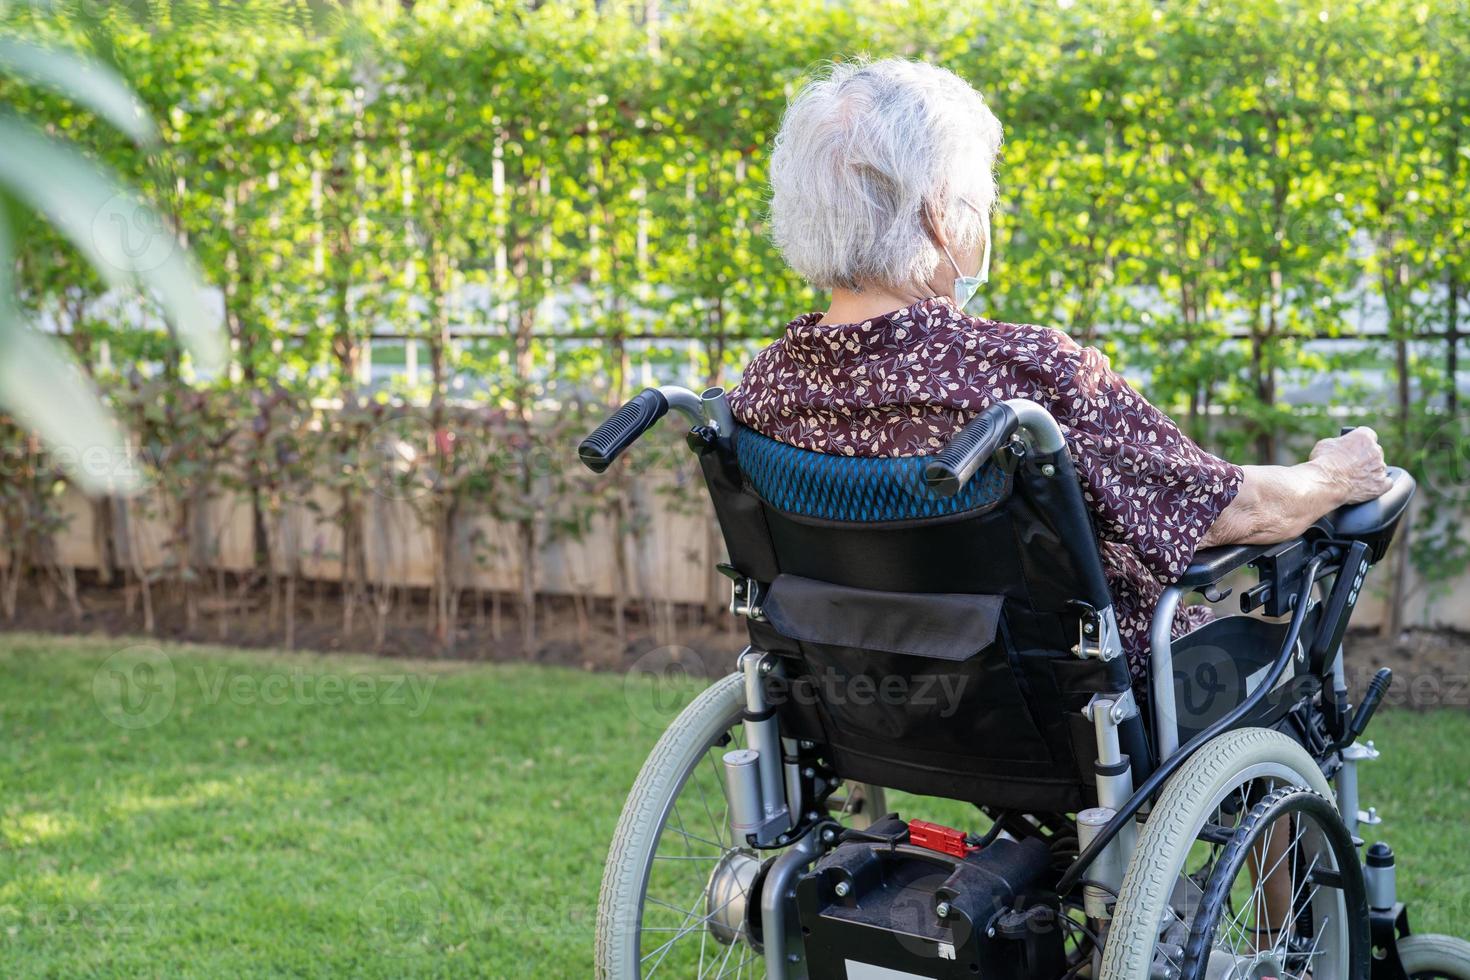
[(901, 384)]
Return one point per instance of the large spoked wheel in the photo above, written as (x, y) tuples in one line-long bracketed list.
[(1428, 957), (1285, 899), (680, 897), (1198, 826)]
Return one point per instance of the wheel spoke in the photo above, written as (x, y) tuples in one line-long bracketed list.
[(1280, 919), (687, 927), (687, 857), (697, 851)]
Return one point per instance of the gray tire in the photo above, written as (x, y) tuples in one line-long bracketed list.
[(1189, 799), (668, 767), (1429, 957)]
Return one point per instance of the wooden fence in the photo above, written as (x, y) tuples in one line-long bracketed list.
[(671, 557)]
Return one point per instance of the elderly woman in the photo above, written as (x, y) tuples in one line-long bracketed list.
[(883, 181)]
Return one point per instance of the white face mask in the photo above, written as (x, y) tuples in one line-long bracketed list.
[(965, 287)]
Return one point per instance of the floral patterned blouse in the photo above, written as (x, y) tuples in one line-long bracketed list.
[(901, 384)]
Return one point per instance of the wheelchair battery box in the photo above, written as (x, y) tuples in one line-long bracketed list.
[(871, 908)]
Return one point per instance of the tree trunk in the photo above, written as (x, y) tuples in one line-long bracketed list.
[(1452, 344), (102, 541)]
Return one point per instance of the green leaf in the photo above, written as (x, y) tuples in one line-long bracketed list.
[(44, 391), (125, 239), (83, 81)]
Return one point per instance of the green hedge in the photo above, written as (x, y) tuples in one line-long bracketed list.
[(1199, 188)]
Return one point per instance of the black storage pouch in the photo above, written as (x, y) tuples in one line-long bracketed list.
[(915, 691)]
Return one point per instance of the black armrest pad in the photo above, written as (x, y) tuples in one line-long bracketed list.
[(1377, 514), (1210, 565), (1364, 520)]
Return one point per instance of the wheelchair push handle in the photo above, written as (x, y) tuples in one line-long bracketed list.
[(948, 472), (638, 415), (608, 441)]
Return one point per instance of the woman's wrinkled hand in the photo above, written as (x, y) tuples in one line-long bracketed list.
[(1353, 463)]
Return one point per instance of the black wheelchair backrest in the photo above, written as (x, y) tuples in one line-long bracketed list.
[(936, 643)]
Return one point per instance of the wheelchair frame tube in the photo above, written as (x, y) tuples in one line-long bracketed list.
[(1347, 776), (1113, 787), (779, 930), (1349, 804), (1038, 429), (1161, 671), (717, 411), (683, 400), (742, 783), (1109, 868), (763, 736), (1169, 766), (1114, 779)]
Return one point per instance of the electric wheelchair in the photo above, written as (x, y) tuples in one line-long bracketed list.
[(942, 626)]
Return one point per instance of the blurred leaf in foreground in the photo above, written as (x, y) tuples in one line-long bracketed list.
[(124, 239)]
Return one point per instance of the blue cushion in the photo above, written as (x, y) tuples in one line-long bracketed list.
[(855, 488)]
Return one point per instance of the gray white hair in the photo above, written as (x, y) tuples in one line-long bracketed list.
[(862, 149)]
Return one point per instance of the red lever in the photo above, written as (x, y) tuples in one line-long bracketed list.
[(936, 837)]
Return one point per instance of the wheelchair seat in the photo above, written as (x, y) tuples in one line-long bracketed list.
[(935, 644)]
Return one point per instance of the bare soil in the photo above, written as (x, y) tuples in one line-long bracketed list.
[(566, 632)]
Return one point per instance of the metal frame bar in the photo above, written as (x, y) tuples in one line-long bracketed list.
[(683, 400), (1168, 766), (763, 736), (1038, 429), (1161, 673), (779, 932)]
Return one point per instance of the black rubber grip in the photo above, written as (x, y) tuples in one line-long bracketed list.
[(1377, 688), (622, 429), (949, 471)]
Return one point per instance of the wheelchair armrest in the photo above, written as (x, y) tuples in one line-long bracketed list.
[(1374, 521), (1210, 565)]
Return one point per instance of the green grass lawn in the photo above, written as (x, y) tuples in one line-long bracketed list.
[(229, 813)]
